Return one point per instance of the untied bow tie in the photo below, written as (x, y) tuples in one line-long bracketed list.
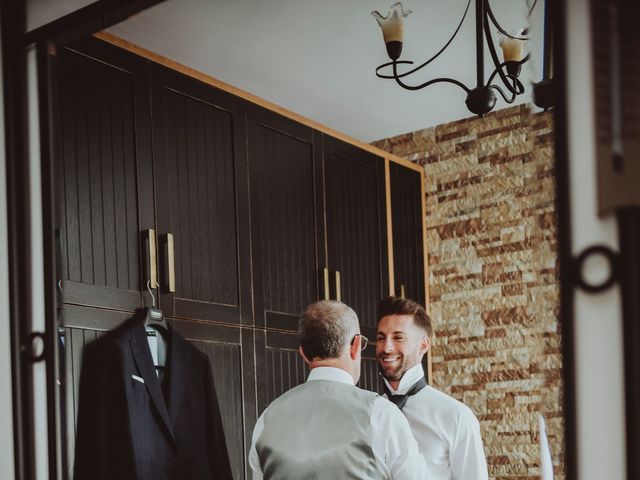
[(401, 400)]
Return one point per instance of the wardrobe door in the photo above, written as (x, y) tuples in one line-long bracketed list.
[(408, 235), (230, 351), (279, 365), (201, 198), (103, 168), (286, 218), (356, 229)]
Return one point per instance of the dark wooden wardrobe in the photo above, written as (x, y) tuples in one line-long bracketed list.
[(236, 217)]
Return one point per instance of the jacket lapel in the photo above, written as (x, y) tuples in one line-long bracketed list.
[(144, 362), (178, 371)]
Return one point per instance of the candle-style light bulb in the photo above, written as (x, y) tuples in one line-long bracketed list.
[(393, 28), (512, 52)]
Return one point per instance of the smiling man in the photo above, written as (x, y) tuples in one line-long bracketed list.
[(447, 431)]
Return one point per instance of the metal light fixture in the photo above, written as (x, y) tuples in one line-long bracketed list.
[(482, 98), (543, 91)]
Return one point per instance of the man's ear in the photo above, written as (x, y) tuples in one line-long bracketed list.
[(304, 357), (425, 343), (355, 347)]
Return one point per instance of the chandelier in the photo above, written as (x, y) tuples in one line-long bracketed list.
[(504, 79)]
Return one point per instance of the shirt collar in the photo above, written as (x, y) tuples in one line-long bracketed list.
[(330, 373), (407, 381)]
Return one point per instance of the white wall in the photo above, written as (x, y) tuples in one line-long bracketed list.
[(6, 408), (598, 319)]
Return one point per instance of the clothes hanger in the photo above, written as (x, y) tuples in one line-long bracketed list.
[(153, 317), (154, 321)]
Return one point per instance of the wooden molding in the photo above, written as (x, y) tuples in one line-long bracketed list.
[(387, 183), (214, 82), (425, 249), (404, 162)]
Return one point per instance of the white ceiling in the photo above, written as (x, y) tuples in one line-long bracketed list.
[(318, 58)]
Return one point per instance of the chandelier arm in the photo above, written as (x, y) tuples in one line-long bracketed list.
[(464, 15), (498, 26), (499, 69), (426, 84), (388, 64), (494, 73), (431, 82), (504, 97)]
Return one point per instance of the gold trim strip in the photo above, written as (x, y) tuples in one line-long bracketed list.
[(326, 283), (387, 182), (153, 266), (171, 265), (425, 249)]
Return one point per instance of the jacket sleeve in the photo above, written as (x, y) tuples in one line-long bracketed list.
[(217, 445), (103, 446)]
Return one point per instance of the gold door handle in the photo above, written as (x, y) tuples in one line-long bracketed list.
[(171, 263), (153, 266), (338, 287), (402, 295), (326, 283)]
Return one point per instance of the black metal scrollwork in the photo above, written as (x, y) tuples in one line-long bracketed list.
[(30, 347), (590, 252)]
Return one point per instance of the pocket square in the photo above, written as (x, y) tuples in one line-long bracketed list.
[(137, 378)]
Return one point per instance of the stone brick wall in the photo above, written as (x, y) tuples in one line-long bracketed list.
[(493, 278)]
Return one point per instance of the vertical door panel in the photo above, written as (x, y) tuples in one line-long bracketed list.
[(74, 340), (408, 249), (370, 378), (201, 196), (356, 228), (80, 326), (231, 352), (287, 230), (279, 365), (101, 102), (225, 362)]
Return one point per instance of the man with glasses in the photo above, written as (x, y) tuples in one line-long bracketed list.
[(327, 428), (447, 431)]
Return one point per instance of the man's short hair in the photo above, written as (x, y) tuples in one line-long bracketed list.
[(325, 328), (403, 306)]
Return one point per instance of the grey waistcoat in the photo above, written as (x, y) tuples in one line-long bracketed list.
[(319, 430)]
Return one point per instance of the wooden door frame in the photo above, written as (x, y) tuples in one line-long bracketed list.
[(16, 42)]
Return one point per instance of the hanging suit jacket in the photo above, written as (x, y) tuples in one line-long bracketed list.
[(138, 428)]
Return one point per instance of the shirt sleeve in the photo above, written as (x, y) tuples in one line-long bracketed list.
[(254, 460), (466, 455), (394, 443)]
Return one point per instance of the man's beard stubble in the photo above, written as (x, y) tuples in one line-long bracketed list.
[(394, 373)]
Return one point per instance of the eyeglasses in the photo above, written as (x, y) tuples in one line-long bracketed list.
[(364, 341)]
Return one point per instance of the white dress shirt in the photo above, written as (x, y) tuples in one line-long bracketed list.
[(447, 431), (391, 439)]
